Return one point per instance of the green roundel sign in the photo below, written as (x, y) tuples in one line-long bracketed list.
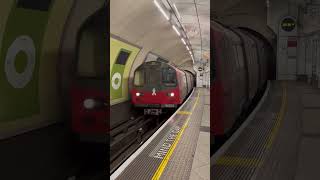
[(288, 24)]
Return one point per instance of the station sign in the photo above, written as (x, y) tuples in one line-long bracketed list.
[(165, 144), (288, 24)]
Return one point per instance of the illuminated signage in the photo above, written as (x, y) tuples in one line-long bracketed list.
[(288, 24)]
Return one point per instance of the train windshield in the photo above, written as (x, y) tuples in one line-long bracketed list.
[(155, 76), (169, 77), (139, 77), (147, 76)]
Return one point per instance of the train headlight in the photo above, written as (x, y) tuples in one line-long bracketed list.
[(171, 94), (138, 94), (89, 103)]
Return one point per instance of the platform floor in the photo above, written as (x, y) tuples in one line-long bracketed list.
[(170, 153), (282, 142)]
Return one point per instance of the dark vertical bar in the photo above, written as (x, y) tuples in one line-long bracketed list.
[(108, 85)]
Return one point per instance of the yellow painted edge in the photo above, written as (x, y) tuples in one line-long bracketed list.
[(239, 161), (165, 160), (196, 103), (184, 112), (279, 117)]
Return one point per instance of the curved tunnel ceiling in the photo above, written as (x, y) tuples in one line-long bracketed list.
[(238, 13), (194, 16), (142, 24)]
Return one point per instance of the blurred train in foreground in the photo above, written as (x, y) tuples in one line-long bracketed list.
[(89, 88), (158, 86), (240, 71)]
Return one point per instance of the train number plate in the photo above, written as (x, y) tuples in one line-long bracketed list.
[(152, 111)]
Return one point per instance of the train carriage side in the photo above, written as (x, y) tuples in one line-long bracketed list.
[(257, 57), (219, 110), (263, 53), (229, 90), (234, 58), (190, 85), (251, 64), (190, 81), (182, 84), (261, 59)]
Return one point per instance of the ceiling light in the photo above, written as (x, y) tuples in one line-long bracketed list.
[(184, 42), (160, 8), (176, 30), (175, 7)]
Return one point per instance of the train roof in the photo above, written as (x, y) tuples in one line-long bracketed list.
[(244, 36), (162, 64), (153, 63), (226, 31)]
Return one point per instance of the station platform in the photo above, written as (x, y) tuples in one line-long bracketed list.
[(179, 149), (280, 141)]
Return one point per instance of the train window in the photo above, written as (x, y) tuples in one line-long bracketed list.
[(91, 54), (41, 5), (139, 77), (169, 77), (153, 76), (123, 57)]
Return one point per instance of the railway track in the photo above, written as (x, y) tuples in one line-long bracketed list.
[(127, 137)]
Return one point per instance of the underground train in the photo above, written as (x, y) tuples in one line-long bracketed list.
[(239, 74), (158, 86), (38, 42), (89, 90)]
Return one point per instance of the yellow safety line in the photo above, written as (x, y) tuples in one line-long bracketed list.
[(165, 160), (184, 112), (279, 116), (251, 162), (239, 161), (196, 103)]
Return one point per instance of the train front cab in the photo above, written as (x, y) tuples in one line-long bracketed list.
[(89, 89), (155, 88)]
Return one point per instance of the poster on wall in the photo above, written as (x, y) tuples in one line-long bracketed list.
[(20, 52)]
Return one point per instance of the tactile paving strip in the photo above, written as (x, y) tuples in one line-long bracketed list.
[(147, 162), (180, 164), (246, 154)]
